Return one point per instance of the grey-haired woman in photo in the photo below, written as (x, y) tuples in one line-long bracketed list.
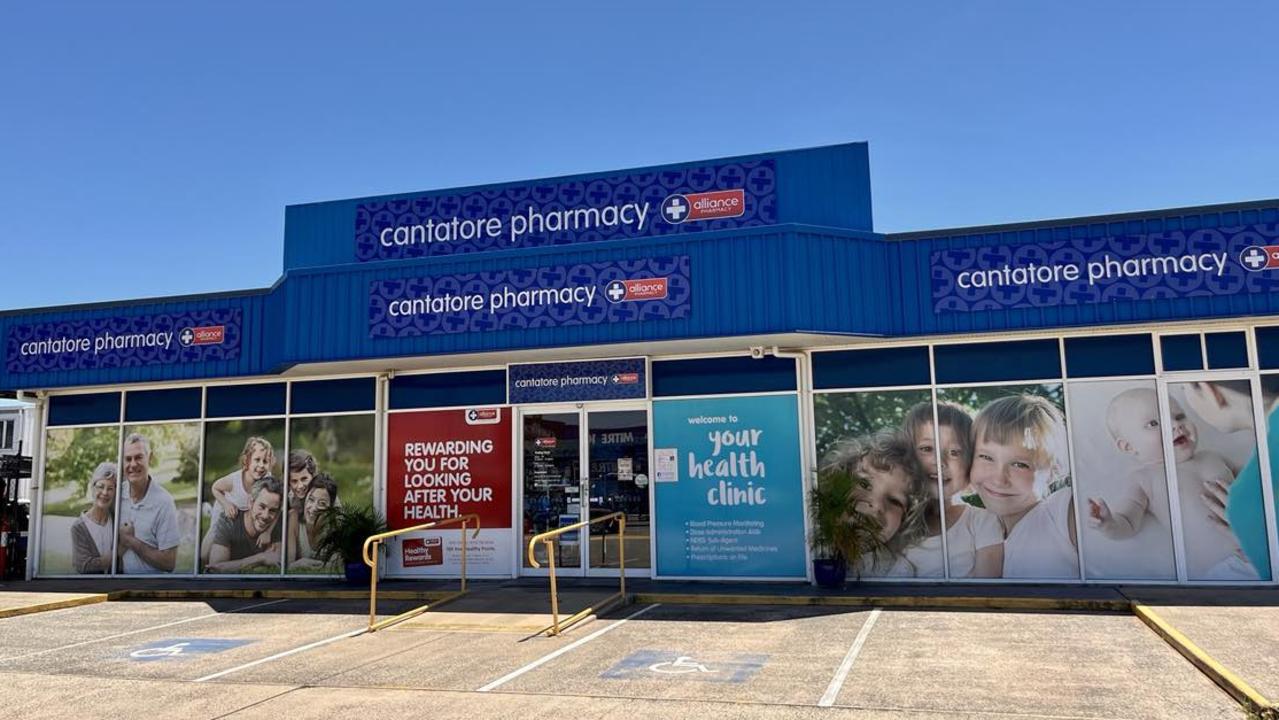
[(91, 533)]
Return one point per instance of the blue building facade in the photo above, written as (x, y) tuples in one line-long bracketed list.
[(695, 346)]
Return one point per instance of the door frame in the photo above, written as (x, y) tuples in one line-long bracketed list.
[(583, 410)]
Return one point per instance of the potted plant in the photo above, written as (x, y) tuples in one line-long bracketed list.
[(841, 536), (342, 539)]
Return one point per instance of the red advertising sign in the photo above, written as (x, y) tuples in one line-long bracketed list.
[(423, 552), (441, 464)]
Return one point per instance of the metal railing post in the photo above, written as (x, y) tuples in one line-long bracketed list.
[(547, 539), (374, 543), (621, 552), (555, 597)]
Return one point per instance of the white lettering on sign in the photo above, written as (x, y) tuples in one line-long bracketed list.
[(738, 463), (1096, 271), (530, 221)]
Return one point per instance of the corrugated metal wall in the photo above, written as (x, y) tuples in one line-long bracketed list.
[(256, 346), (912, 271)]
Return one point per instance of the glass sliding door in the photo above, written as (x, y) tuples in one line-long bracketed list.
[(617, 463), (551, 449), (582, 464)]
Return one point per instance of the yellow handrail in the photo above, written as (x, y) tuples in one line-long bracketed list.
[(371, 555), (548, 538)]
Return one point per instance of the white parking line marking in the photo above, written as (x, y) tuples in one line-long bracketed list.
[(575, 644), (279, 655), (837, 682), (145, 629)]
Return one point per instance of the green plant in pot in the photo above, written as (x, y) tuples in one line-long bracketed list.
[(342, 539), (841, 536)]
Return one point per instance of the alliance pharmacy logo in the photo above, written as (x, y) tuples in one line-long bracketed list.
[(483, 416), (619, 291), (1260, 257), (208, 335), (691, 207)]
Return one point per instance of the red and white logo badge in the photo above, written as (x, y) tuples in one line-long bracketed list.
[(545, 442), (624, 378), (639, 289), (207, 335), (1260, 257), (483, 416), (422, 552), (682, 208)]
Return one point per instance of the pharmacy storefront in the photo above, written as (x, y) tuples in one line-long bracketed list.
[(695, 346)]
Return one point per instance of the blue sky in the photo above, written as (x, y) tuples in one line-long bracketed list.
[(149, 149)]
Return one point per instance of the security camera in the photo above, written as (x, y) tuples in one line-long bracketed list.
[(758, 353)]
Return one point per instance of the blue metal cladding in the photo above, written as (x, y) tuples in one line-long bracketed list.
[(743, 283), (912, 268), (255, 354), (823, 186)]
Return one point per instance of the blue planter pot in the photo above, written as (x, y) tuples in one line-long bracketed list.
[(830, 573), (357, 573)]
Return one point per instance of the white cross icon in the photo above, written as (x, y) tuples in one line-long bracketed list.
[(187, 336), (676, 209), (1254, 258), (616, 291)]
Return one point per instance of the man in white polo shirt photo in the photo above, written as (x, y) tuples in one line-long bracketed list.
[(148, 517)]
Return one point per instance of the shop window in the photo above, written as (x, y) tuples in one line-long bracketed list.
[(1109, 356), (1181, 352), (459, 389), (723, 375), (987, 362), (84, 409), (884, 367), (1268, 347), (148, 405), (245, 400), (1226, 350), (320, 396)]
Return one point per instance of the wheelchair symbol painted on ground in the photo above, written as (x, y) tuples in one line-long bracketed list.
[(155, 653), (679, 666), (179, 648)]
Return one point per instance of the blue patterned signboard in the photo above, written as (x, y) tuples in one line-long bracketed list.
[(1155, 266), (581, 381), (584, 294), (118, 342), (632, 205), (728, 487)]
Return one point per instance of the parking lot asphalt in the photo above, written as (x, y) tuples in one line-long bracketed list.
[(308, 658)]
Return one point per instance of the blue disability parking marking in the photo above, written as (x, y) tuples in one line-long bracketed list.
[(178, 648), (672, 665)]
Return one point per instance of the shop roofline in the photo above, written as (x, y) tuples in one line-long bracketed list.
[(105, 304), (1083, 220), (567, 176)]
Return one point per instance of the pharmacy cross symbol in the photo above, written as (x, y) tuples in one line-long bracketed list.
[(616, 291), (187, 337), (1254, 258), (675, 208)]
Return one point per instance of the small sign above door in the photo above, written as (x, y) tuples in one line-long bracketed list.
[(580, 381)]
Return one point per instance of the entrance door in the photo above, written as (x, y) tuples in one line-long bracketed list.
[(1211, 450), (579, 464)]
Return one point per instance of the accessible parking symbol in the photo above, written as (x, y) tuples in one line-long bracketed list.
[(178, 648), (686, 666)]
